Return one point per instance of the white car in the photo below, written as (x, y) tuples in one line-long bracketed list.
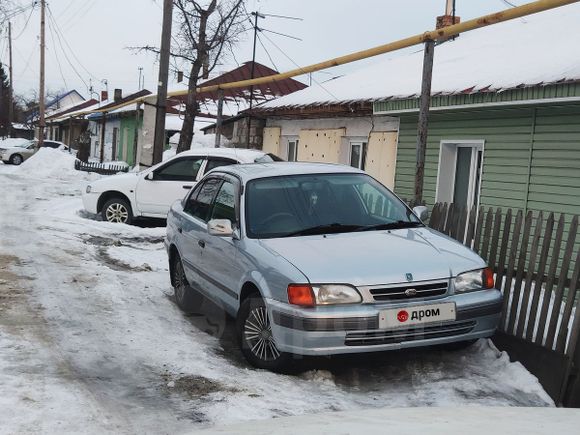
[(15, 151), (150, 193)]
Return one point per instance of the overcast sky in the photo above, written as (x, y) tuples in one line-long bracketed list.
[(94, 35)]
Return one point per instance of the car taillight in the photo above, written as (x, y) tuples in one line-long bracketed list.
[(488, 281), (301, 294)]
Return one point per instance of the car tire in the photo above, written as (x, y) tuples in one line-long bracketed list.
[(117, 210), (255, 338), (16, 159), (185, 298), (458, 345)]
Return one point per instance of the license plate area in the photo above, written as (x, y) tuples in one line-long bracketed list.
[(417, 315)]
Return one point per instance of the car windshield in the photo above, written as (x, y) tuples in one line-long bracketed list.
[(298, 205)]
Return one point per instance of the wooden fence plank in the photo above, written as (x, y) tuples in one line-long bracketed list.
[(449, 220), (521, 319), (454, 229), (550, 281), (511, 267), (434, 217), (537, 290), (462, 225), (494, 240), (559, 294), (520, 272), (501, 266), (470, 227), (442, 218), (486, 235), (570, 302), (478, 228)]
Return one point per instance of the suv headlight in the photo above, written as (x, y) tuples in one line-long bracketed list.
[(479, 279), (89, 188), (322, 294)]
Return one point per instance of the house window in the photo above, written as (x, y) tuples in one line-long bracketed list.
[(459, 176), (357, 154), (292, 150)]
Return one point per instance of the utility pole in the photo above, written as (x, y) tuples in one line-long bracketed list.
[(11, 87), (219, 120), (161, 106), (41, 108), (252, 72), (422, 128)]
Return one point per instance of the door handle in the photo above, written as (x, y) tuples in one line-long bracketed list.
[(201, 243), (186, 187)]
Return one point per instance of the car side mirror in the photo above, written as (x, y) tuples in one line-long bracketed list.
[(421, 211), (220, 228), (149, 176)]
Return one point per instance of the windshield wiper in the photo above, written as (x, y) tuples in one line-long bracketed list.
[(391, 226), (325, 229)]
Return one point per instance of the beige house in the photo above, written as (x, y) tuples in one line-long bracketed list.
[(365, 142)]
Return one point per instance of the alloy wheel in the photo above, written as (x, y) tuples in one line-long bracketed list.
[(16, 160), (179, 281), (117, 213), (258, 335)]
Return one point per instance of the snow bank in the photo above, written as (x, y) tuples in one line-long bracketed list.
[(51, 163)]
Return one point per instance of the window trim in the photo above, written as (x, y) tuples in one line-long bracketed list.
[(196, 190), (361, 162), (296, 142)]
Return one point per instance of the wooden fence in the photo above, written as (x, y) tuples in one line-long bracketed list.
[(538, 273), (99, 168)]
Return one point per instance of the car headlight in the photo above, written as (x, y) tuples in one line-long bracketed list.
[(322, 294), (479, 279), (89, 188)]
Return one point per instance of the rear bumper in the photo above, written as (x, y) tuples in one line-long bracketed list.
[(354, 329)]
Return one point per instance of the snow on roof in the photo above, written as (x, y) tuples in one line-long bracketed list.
[(539, 49)]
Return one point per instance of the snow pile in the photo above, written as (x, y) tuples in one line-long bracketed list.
[(50, 163), (495, 58), (200, 140)]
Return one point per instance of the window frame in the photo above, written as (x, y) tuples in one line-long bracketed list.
[(208, 159), (362, 155), (296, 142), (195, 191)]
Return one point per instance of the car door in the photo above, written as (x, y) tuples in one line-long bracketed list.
[(194, 231), (166, 184), (220, 254)]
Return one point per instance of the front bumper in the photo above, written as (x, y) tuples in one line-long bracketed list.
[(355, 328), (90, 201)]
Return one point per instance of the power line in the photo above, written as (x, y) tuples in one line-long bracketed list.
[(51, 19), (50, 28), (59, 32), (25, 24), (267, 53), (299, 67)]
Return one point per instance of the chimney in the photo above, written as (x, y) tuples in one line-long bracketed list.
[(449, 18), (104, 95), (118, 96)]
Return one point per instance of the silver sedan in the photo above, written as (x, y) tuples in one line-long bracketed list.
[(320, 259)]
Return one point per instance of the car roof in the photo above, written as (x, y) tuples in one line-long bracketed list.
[(276, 169), (241, 155)]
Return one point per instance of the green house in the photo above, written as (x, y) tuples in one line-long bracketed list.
[(504, 123)]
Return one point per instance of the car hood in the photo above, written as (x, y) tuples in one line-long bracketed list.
[(377, 257)]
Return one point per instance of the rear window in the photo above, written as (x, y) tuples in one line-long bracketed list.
[(268, 158)]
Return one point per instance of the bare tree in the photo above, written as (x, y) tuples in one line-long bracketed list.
[(206, 32)]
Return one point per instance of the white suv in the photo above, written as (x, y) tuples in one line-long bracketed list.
[(150, 193)]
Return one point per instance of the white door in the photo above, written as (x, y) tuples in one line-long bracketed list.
[(166, 185), (459, 177)]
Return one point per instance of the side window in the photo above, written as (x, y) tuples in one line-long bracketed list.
[(357, 154), (200, 201), (215, 162), (184, 169), (224, 206)]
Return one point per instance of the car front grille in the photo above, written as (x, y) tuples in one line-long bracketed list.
[(370, 338), (409, 291)]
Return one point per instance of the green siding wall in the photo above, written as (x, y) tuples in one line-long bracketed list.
[(531, 158)]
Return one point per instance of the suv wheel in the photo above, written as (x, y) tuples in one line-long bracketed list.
[(255, 336), (16, 159), (184, 296), (117, 210)]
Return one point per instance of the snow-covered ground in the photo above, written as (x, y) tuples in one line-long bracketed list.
[(91, 340)]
